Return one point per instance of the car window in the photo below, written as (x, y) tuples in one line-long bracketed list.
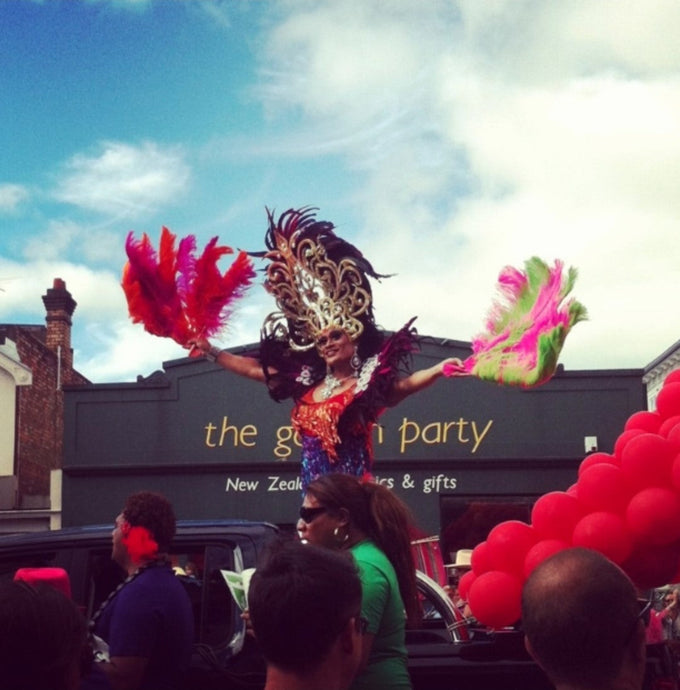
[(9, 566)]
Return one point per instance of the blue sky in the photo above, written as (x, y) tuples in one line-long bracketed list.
[(446, 139)]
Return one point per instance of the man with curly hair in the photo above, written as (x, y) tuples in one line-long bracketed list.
[(146, 624)]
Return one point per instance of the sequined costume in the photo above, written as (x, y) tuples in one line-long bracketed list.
[(336, 433), (336, 436)]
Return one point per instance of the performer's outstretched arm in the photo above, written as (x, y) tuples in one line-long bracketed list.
[(420, 379), (237, 364)]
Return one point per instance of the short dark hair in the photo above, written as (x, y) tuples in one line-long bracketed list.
[(43, 637), (153, 511), (579, 612), (299, 601)]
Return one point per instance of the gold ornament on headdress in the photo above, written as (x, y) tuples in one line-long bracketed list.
[(312, 291)]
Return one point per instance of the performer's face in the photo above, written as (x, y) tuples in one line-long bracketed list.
[(334, 345)]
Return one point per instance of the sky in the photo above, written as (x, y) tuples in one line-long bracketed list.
[(445, 138)]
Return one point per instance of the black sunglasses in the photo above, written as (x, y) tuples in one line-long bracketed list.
[(308, 514)]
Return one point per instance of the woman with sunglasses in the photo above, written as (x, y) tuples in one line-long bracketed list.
[(322, 348), (371, 523)]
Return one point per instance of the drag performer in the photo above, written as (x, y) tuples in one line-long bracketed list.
[(322, 348)]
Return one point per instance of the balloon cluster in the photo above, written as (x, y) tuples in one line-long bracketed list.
[(624, 504)]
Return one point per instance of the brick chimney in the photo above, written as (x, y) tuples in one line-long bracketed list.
[(60, 307)]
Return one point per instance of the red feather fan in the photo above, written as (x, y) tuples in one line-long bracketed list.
[(178, 295)]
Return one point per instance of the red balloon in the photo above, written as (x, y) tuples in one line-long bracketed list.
[(623, 439), (479, 559), (674, 437), (508, 543), (540, 551), (653, 516), (668, 424), (465, 583), (668, 400), (596, 459), (647, 421), (673, 377), (604, 487), (606, 533), (555, 514), (495, 599), (647, 460), (675, 473), (653, 566), (573, 490)]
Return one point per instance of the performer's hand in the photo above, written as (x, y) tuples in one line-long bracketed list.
[(198, 345), (453, 366)]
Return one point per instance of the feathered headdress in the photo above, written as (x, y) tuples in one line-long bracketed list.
[(317, 279), (526, 327), (178, 295)]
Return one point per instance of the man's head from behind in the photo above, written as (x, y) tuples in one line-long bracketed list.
[(580, 615), (304, 604)]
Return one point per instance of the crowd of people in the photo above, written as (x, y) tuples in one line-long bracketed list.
[(329, 609)]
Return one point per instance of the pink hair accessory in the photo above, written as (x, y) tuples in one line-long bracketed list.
[(139, 542)]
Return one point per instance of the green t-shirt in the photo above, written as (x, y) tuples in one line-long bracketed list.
[(382, 605)]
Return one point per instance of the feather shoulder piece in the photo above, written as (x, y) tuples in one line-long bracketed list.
[(176, 294), (526, 327)]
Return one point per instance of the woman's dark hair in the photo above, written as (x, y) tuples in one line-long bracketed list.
[(383, 517), (43, 638), (153, 511)]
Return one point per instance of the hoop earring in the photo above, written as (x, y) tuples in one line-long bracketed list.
[(355, 362), (336, 534)]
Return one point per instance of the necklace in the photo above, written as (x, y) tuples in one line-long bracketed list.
[(160, 562), (330, 383)]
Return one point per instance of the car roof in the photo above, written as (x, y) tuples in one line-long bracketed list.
[(233, 529)]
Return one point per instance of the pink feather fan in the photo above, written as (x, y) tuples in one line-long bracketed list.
[(176, 294), (526, 327)]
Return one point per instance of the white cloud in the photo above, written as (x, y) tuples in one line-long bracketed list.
[(11, 196), (97, 293), (64, 237), (125, 180), (516, 128)]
